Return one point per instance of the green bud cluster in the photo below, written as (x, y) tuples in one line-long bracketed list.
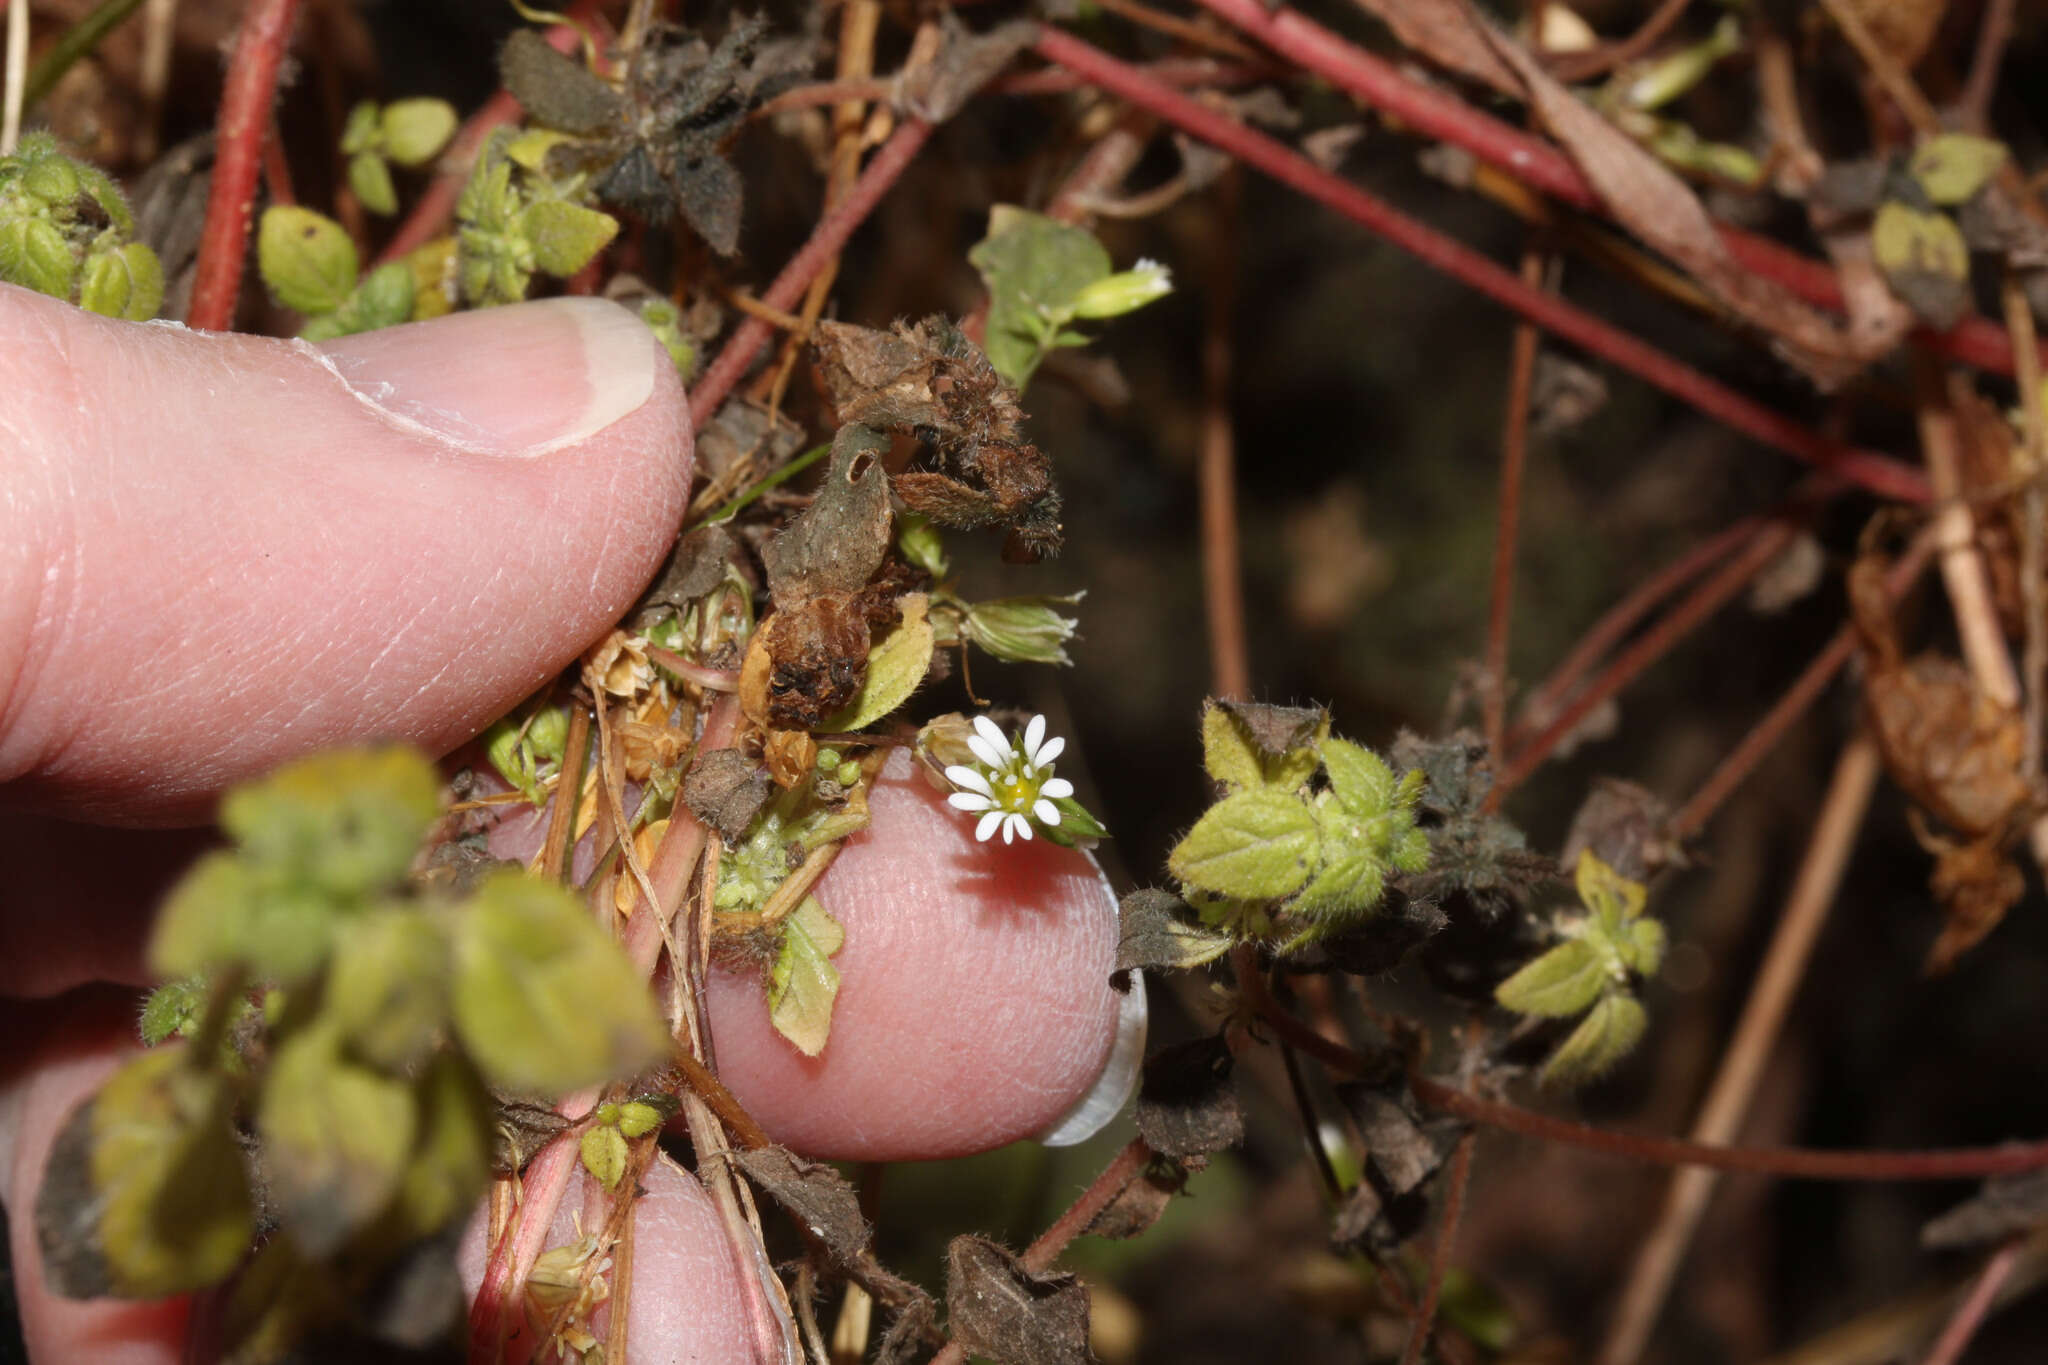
[(515, 220), (66, 231)]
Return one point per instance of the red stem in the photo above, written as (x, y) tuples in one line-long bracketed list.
[(1955, 1163), (1976, 1306), (1440, 1253), (826, 241), (245, 102), (1437, 113), (1879, 473)]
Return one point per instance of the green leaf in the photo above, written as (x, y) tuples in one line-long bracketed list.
[(1924, 259), (383, 299), (897, 663), (565, 237), (1557, 984), (362, 132), (604, 1154), (306, 258), (171, 1010), (1252, 845), (336, 1136), (1352, 879), (1952, 167), (451, 1161), (225, 914), (1641, 946), (544, 1000), (126, 282), (803, 984), (387, 990), (34, 255), (145, 1193), (1612, 898), (347, 821), (415, 130), (1035, 268), (921, 543), (1361, 779), (1603, 1037), (52, 178), (638, 1118), (369, 175)]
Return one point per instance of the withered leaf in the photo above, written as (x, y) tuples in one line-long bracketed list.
[(1622, 822), (556, 89), (742, 430), (1159, 930), (816, 1195), (843, 536), (1187, 1105), (1276, 729), (1378, 944), (911, 1336), (967, 61), (2006, 1205), (725, 791), (1976, 883), (1139, 1204), (1403, 1153), (695, 567), (997, 1308), (805, 662)]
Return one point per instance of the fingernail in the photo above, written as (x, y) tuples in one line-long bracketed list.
[(516, 381)]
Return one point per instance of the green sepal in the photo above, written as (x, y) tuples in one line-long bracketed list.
[(1078, 827), (638, 1118), (1124, 292), (306, 258), (803, 985), (1023, 629), (1606, 1035), (565, 237), (336, 1137), (1559, 983), (34, 255), (1251, 845), (544, 1000), (921, 543), (125, 282), (603, 1150)]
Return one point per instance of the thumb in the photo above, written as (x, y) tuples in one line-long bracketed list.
[(220, 551)]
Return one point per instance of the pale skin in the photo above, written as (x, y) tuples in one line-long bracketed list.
[(217, 553)]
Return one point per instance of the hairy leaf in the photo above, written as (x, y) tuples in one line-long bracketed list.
[(997, 1308), (388, 990), (803, 984), (1558, 984), (1187, 1105), (1607, 1033), (1156, 934), (1361, 778), (897, 663), (1252, 845), (336, 1136), (816, 1195)]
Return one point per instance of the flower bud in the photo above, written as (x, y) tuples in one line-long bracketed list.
[(1114, 295)]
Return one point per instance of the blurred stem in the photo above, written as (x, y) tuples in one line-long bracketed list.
[(1514, 455), (1584, 66), (81, 38), (1962, 568), (1896, 81), (1440, 1253), (554, 861), (1994, 31), (1728, 1098), (2034, 427), (1955, 1337), (1222, 569), (245, 104), (13, 94)]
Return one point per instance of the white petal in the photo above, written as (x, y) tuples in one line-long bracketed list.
[(1034, 735), (1021, 825), (993, 733), (1052, 749), (990, 755), (987, 828), (1048, 814), (960, 775), (1055, 788), (969, 801), (1009, 829)]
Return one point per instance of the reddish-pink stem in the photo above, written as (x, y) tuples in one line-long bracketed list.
[(238, 159), (826, 241), (1879, 473), (1976, 1306), (1437, 113)]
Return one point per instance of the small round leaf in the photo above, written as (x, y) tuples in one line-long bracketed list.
[(306, 258)]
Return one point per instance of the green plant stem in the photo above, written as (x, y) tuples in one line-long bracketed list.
[(81, 38), (780, 476)]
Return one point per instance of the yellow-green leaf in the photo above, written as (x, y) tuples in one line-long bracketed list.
[(369, 175), (804, 984), (897, 663), (387, 991), (1641, 946), (34, 254), (545, 1001), (126, 282), (1361, 778), (1251, 845), (604, 1154), (1953, 166), (1924, 260), (1350, 880), (451, 1157), (1607, 1033), (145, 1194), (565, 237), (415, 130), (306, 258), (347, 821), (1559, 983), (336, 1136), (1613, 898)]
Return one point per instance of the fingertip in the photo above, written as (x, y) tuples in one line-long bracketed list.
[(974, 1003)]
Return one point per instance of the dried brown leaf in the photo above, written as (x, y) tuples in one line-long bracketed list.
[(1187, 1105), (1138, 1205), (843, 536), (997, 1308), (726, 791), (1276, 729), (967, 61), (1622, 822), (816, 1195), (2006, 1205)]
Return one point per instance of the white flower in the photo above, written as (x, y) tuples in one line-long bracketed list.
[(1011, 784)]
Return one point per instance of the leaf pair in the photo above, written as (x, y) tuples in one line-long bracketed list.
[(1591, 971), (1042, 276)]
